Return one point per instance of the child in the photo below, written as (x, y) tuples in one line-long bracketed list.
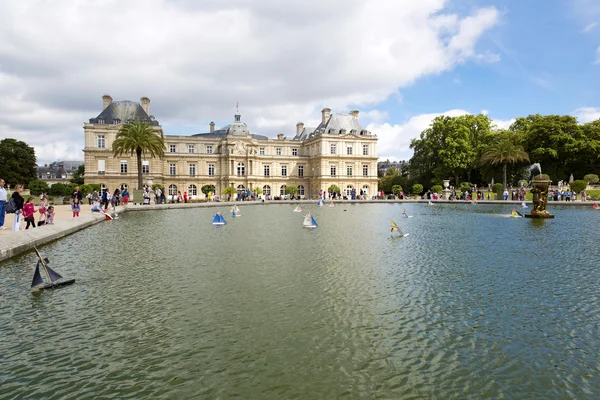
[(50, 216), (75, 207), (42, 208), (28, 212)]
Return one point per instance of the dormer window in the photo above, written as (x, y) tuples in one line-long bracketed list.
[(332, 131), (116, 121), (101, 120)]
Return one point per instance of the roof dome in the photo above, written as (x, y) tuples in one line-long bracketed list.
[(238, 128)]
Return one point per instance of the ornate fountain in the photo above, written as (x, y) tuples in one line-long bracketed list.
[(539, 189)]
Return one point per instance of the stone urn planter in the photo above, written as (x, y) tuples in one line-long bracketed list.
[(540, 199)]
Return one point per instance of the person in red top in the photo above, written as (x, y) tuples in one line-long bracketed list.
[(28, 212), (185, 197)]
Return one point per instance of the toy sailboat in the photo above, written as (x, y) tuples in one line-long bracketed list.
[(298, 209), (595, 206), (331, 204), (235, 211), (309, 221), (524, 205), (321, 203), (430, 203), (515, 214), (397, 228), (55, 278), (218, 219)]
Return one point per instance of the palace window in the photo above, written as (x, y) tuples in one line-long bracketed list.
[(172, 190), (267, 190), (365, 170), (282, 190), (278, 151), (172, 169), (284, 170), (301, 190), (123, 166), (365, 149), (101, 141), (349, 190), (294, 152), (172, 148), (101, 166), (192, 190), (267, 170), (349, 150), (192, 169), (208, 149), (211, 169), (101, 120), (241, 169), (301, 170), (332, 148), (333, 170), (261, 151), (191, 148), (349, 170)]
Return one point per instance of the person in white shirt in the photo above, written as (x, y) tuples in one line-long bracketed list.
[(3, 200)]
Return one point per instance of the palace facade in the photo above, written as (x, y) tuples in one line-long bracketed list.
[(339, 151)]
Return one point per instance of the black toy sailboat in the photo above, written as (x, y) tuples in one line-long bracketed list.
[(55, 278)]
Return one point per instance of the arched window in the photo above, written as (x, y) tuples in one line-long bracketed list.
[(282, 190), (366, 189), (192, 191), (103, 188), (241, 169), (349, 190), (267, 190), (301, 190), (124, 186), (172, 190)]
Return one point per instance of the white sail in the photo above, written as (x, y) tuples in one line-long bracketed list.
[(309, 221), (298, 209)]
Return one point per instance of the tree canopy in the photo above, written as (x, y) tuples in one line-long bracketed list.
[(139, 138), (17, 162)]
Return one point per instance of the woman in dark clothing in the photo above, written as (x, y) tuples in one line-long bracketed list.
[(19, 202)]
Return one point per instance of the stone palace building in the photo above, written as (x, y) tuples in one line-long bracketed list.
[(337, 152)]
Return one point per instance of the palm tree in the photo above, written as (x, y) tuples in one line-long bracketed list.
[(139, 137), (230, 191), (503, 150)]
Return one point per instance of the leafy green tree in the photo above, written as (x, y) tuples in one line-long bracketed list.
[(417, 189), (229, 191), (592, 179), (17, 162), (258, 191), (291, 190), (58, 189), (78, 175), (578, 185), (436, 189), (94, 186), (334, 189), (138, 137), (159, 186), (38, 186), (86, 189), (502, 150), (396, 190), (392, 171), (206, 189)]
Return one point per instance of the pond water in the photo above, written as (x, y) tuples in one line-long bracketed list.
[(471, 305)]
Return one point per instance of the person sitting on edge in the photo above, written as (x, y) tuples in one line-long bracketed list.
[(96, 207), (50, 216)]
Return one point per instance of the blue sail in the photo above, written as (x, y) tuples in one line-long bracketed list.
[(216, 220), (222, 219), (53, 275), (314, 222), (37, 278)]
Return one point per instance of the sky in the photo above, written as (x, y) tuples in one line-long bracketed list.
[(400, 63)]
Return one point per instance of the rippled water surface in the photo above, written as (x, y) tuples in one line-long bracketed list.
[(471, 305)]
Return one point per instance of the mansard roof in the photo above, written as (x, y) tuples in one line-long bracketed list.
[(340, 124), (121, 112)]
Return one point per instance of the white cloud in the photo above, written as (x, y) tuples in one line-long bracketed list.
[(196, 59), (597, 56), (587, 114), (588, 28)]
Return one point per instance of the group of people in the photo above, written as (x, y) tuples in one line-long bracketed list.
[(23, 209)]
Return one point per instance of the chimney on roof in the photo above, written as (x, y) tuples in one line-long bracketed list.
[(325, 115), (299, 128), (280, 136), (212, 127), (354, 113), (145, 104), (152, 118), (106, 100)]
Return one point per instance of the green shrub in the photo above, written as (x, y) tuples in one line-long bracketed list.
[(436, 189), (578, 185), (417, 189), (523, 183), (334, 189), (591, 179), (396, 189), (497, 188), (85, 189), (58, 189), (465, 186), (37, 186)]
